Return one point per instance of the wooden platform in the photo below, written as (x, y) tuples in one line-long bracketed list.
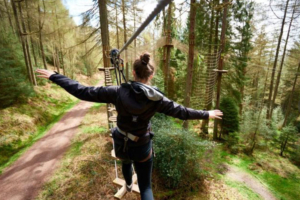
[(121, 192), (105, 68)]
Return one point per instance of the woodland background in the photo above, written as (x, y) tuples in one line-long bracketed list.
[(242, 57)]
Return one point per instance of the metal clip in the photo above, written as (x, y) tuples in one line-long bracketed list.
[(125, 142)]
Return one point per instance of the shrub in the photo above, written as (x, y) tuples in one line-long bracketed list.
[(230, 121), (179, 154)]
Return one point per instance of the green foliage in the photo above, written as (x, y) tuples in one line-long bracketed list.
[(295, 157), (179, 154), (288, 135), (13, 79), (230, 121), (232, 141)]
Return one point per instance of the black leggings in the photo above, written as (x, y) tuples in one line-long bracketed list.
[(144, 173), (143, 169)]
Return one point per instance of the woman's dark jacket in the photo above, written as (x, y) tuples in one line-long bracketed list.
[(135, 103)]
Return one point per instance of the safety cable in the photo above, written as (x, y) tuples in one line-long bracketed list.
[(160, 6)]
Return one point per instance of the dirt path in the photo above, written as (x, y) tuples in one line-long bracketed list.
[(251, 182), (25, 177)]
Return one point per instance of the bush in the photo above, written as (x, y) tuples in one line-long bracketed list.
[(230, 121), (179, 154)]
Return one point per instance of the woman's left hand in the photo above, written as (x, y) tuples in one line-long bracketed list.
[(215, 114), (44, 73)]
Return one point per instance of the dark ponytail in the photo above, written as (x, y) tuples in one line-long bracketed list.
[(143, 69)]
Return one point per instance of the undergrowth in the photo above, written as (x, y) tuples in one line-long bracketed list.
[(24, 123)]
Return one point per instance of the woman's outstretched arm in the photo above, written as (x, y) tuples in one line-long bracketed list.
[(173, 109), (94, 94)]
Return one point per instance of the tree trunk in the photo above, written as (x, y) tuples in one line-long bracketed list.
[(220, 67), (9, 17), (125, 38), (27, 46), (134, 27), (31, 40), (117, 26), (275, 62), (104, 31), (189, 78), (204, 126), (22, 39), (40, 38), (59, 52), (282, 62), (168, 50), (283, 145)]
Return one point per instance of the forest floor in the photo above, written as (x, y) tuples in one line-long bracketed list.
[(25, 177)]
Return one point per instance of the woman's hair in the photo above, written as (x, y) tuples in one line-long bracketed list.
[(143, 69)]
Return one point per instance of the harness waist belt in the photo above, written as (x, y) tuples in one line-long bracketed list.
[(129, 135)]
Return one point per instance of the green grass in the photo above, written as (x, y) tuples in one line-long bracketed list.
[(11, 152), (243, 190), (283, 188)]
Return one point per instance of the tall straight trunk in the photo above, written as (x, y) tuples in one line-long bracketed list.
[(125, 37), (282, 62), (168, 49), (27, 49), (153, 39), (275, 62), (216, 28), (117, 26), (189, 78), (104, 31), (242, 89), (9, 17), (134, 27), (220, 67), (104, 38), (204, 126), (59, 51), (40, 38), (31, 40), (21, 38)]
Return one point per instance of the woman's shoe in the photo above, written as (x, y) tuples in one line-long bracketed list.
[(129, 187)]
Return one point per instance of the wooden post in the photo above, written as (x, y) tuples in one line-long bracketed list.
[(224, 26)]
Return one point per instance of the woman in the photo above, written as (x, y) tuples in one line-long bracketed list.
[(136, 102)]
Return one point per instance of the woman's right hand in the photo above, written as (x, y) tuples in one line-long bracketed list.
[(215, 114), (44, 73)]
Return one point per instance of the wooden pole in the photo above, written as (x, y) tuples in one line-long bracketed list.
[(220, 68)]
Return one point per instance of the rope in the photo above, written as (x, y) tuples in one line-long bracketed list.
[(160, 6)]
